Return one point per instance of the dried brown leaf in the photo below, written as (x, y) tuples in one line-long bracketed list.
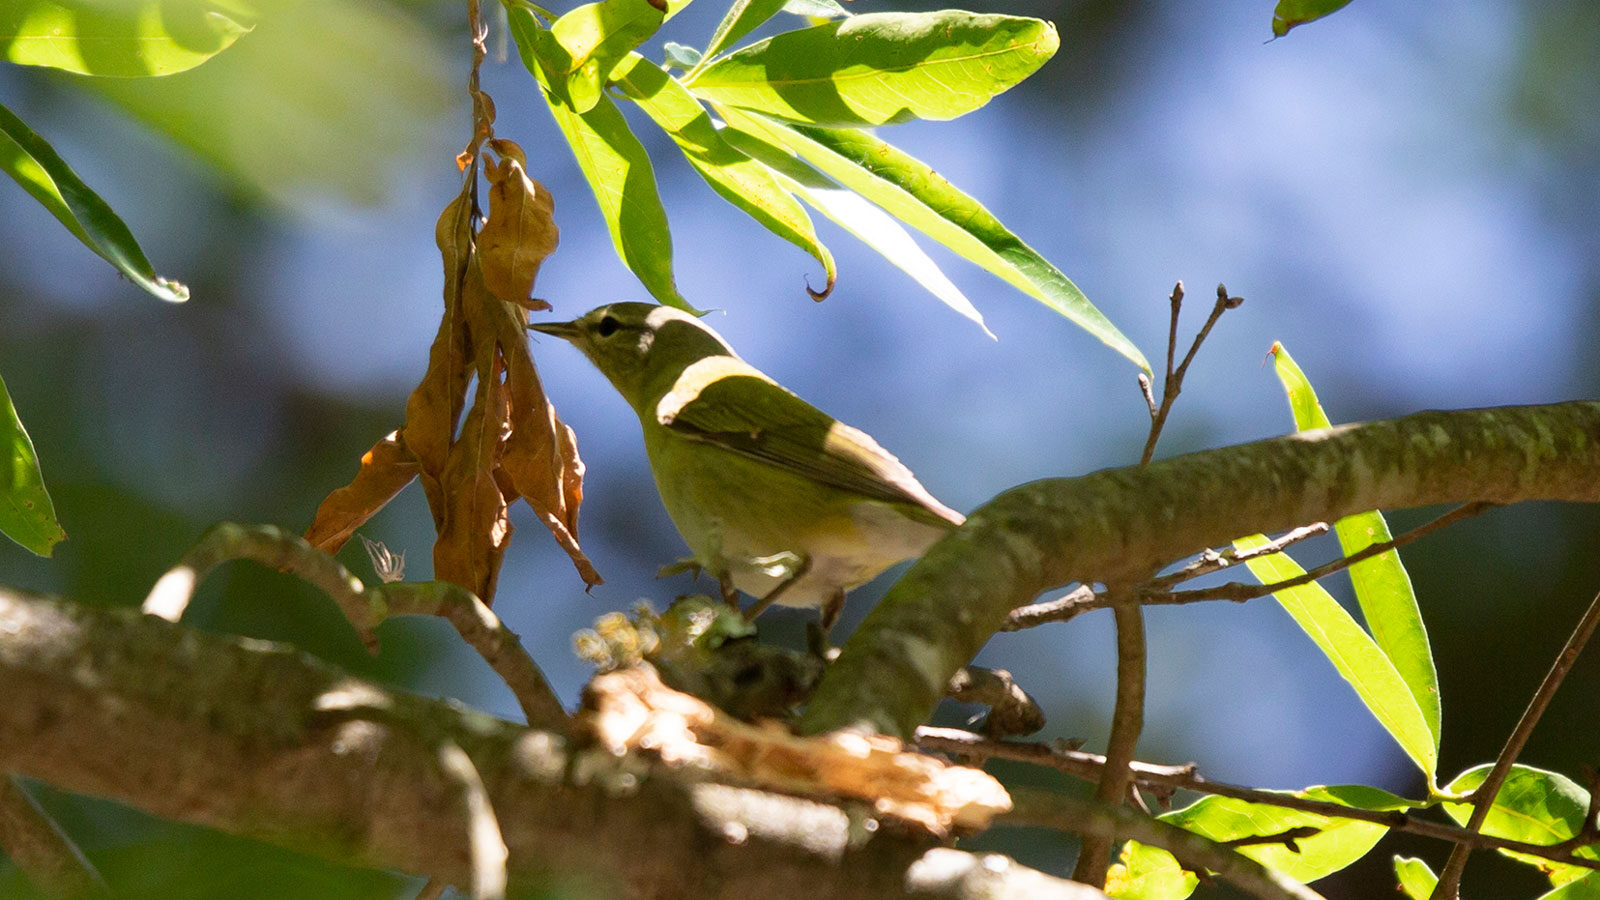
[(521, 230), (476, 529), (385, 469)]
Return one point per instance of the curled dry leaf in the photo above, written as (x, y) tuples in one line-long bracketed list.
[(630, 710), (476, 529), (385, 470), (521, 229)]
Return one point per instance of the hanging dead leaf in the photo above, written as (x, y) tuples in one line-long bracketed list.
[(475, 530), (542, 459), (385, 470), (521, 229)]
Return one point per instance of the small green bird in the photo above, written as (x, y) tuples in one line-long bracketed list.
[(773, 496)]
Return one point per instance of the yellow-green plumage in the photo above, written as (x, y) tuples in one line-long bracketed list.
[(766, 489)]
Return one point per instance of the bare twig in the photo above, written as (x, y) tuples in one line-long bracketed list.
[(1160, 779), (35, 843), (365, 607), (1217, 560), (1127, 720), (1011, 710), (1173, 384), (1483, 798), (1107, 822), (1080, 599), (432, 889), (1240, 592)]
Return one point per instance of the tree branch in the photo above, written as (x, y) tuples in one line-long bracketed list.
[(268, 743), (1118, 524)]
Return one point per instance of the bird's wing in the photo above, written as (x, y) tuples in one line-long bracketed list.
[(725, 401)]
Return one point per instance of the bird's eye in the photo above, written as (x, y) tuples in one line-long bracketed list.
[(608, 326)]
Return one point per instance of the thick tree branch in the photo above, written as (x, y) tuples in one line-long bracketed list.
[(264, 742), (1118, 524)]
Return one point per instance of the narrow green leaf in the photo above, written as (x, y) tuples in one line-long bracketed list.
[(618, 171), (740, 180), (35, 165), (1290, 14), (1536, 806), (1143, 872), (881, 67), (914, 193), (596, 36), (1382, 586), (26, 514), (743, 17), (874, 227), (1352, 652), (1417, 880), (129, 38)]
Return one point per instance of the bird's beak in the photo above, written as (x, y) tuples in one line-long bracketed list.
[(567, 331)]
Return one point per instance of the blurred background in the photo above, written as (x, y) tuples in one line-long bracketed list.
[(1405, 197)]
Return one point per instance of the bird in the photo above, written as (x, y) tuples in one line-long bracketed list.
[(774, 497)]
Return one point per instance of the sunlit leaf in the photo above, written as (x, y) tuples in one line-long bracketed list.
[(1382, 586), (1585, 888), (881, 67), (744, 16), (914, 193), (874, 227), (1290, 14), (1417, 880), (739, 179), (27, 158), (618, 171), (1353, 653), (1333, 844), (596, 36), (1148, 873), (26, 514), (817, 9), (680, 56), (127, 38), (520, 230), (1535, 806)]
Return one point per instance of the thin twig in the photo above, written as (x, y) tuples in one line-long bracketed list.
[(366, 608), (1217, 560), (1127, 720), (1011, 710), (1483, 798), (1159, 778), (1240, 592), (1173, 384), (1080, 599)]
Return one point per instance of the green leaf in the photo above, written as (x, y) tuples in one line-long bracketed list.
[(1585, 888), (1335, 844), (1382, 586), (128, 38), (912, 192), (743, 17), (1292, 13), (1148, 873), (817, 9), (26, 514), (1536, 806), (324, 105), (1417, 880), (35, 165), (874, 227), (740, 180), (1353, 653), (619, 173), (596, 36), (881, 67)]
